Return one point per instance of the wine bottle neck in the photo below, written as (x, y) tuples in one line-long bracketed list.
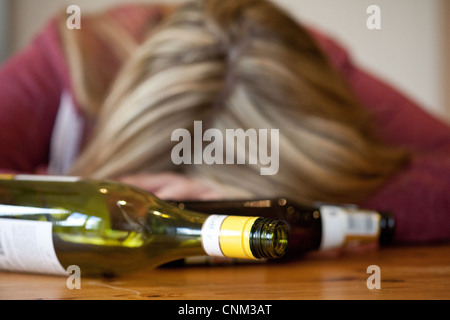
[(244, 237), (268, 239)]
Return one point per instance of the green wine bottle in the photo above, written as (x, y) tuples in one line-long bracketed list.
[(49, 223)]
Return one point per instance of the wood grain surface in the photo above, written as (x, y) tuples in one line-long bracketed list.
[(405, 273)]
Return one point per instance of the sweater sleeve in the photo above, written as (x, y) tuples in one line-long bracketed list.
[(399, 120), (418, 195), (419, 198), (30, 88)]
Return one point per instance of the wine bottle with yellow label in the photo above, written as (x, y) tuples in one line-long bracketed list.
[(48, 223)]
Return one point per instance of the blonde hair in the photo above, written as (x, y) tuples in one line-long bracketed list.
[(232, 64)]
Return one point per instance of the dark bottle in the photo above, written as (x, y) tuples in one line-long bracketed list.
[(321, 227)]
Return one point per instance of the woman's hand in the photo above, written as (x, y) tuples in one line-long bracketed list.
[(173, 186)]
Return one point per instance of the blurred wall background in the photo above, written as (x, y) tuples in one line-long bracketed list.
[(410, 51), (4, 30)]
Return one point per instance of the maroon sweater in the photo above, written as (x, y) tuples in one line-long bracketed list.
[(31, 84)]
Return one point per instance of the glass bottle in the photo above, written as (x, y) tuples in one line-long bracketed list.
[(321, 227), (49, 223)]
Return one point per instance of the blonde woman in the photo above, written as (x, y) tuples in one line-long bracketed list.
[(104, 101)]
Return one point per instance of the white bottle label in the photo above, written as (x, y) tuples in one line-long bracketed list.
[(49, 178), (27, 246), (211, 235), (343, 226)]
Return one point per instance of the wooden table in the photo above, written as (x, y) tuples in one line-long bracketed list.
[(405, 272)]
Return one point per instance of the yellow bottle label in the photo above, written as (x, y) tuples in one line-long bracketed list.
[(228, 236), (235, 237)]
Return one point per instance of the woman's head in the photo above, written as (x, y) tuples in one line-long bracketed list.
[(238, 64)]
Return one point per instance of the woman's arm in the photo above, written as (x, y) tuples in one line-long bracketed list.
[(418, 195), (419, 198), (399, 120)]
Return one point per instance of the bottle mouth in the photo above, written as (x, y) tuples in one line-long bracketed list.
[(387, 225), (268, 238)]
